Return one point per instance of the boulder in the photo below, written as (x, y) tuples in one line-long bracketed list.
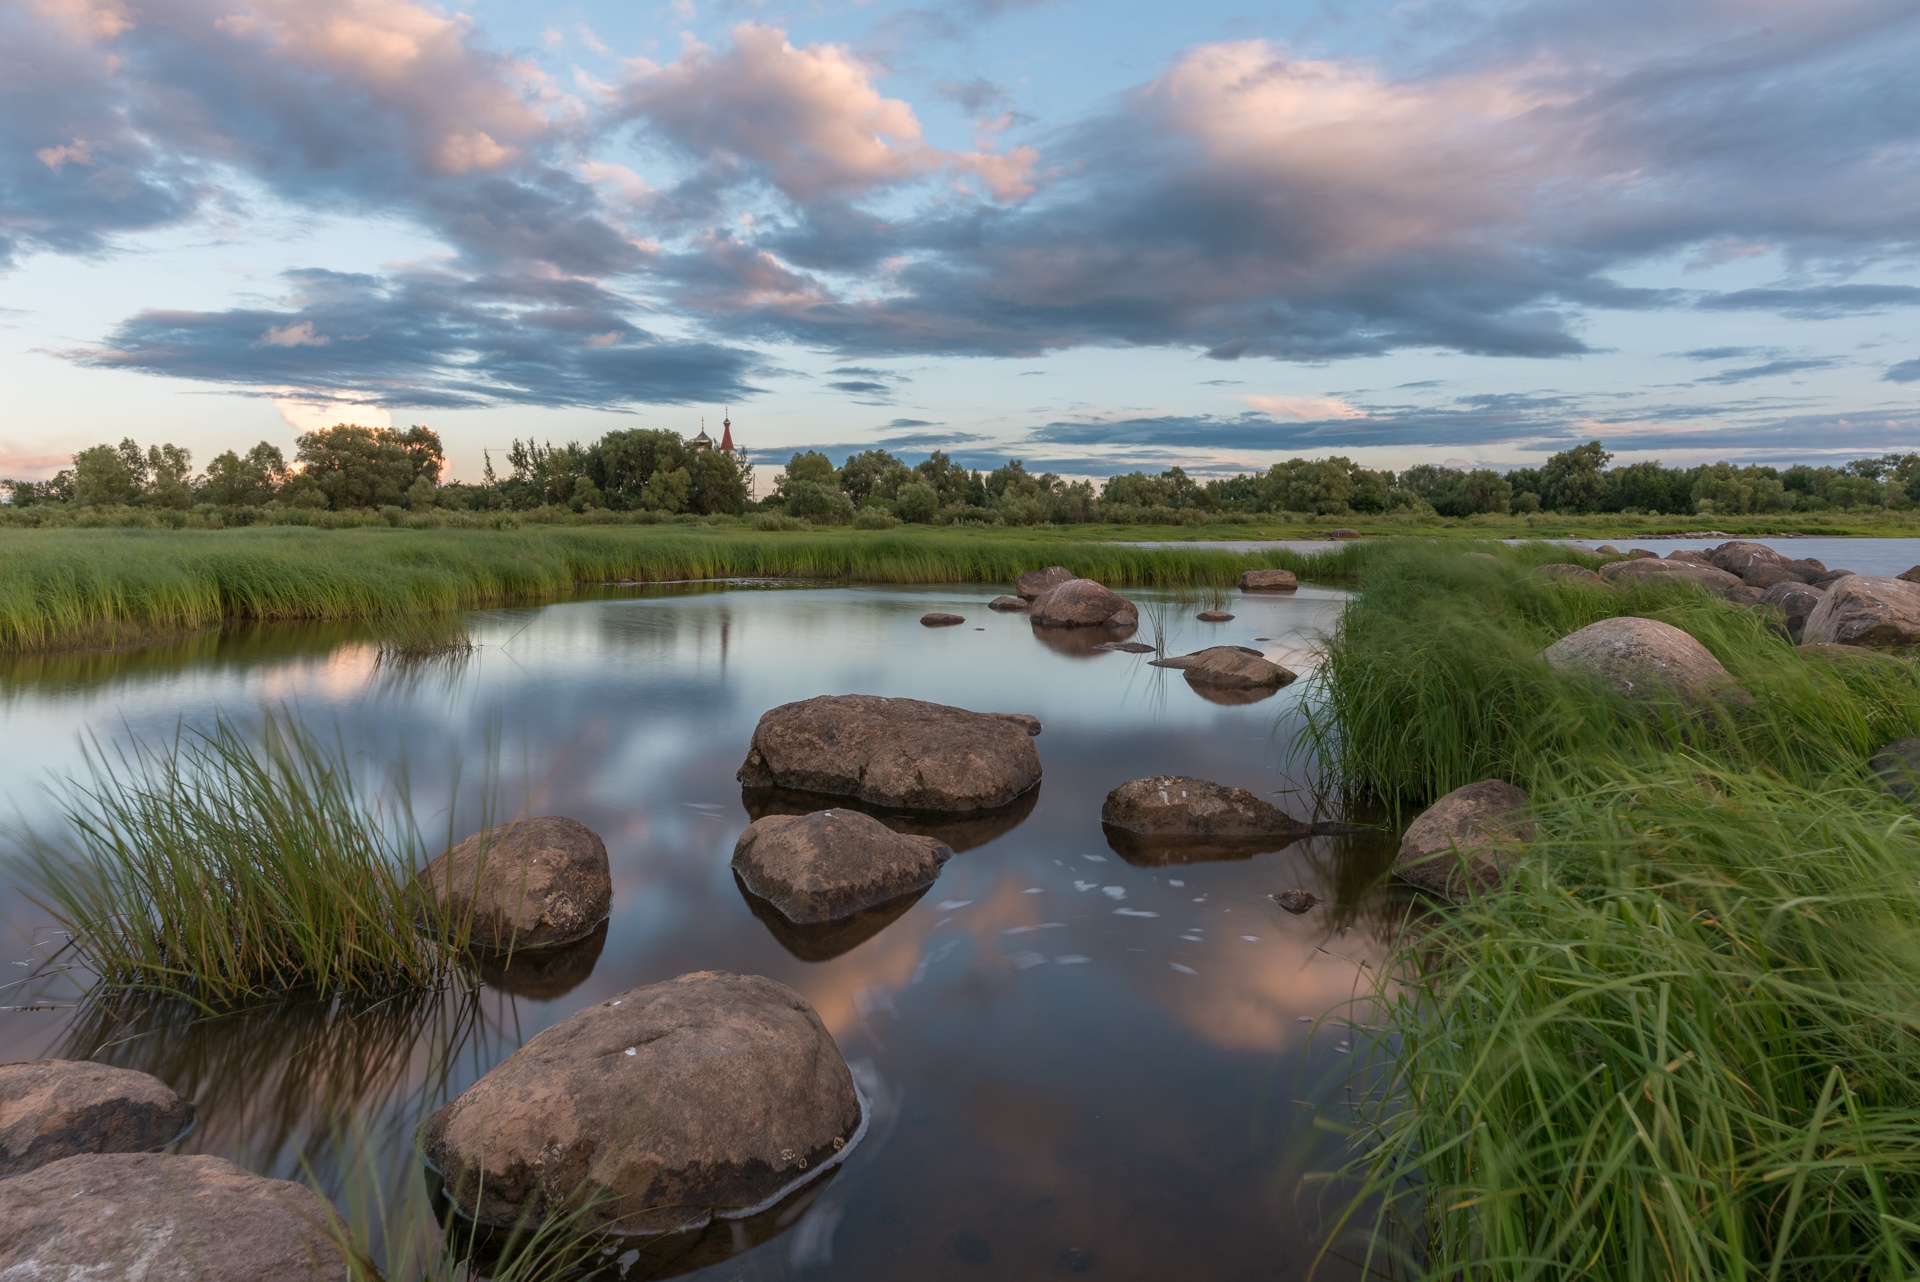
[(1795, 601), (960, 829), (710, 1094), (1909, 576), (1214, 616), (937, 620), (1898, 767), (1867, 609), (1644, 659), (1031, 584), (1637, 554), (1765, 574), (525, 884), (1744, 594), (1177, 806), (55, 1108), (1607, 549), (1827, 580), (894, 752), (160, 1217), (1692, 556), (1082, 603), (1479, 826), (1701, 576), (1229, 665), (1570, 573), (1268, 581), (1740, 557), (1807, 568), (833, 863), (1342, 532), (1008, 603)]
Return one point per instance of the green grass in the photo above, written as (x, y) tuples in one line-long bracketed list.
[(227, 866), (63, 588), (1685, 1042)]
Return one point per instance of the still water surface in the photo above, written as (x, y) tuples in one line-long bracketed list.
[(1078, 1064)]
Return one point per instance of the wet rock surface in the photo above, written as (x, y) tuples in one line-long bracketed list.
[(1034, 582), (1867, 610), (1230, 666), (530, 883), (708, 1094), (159, 1217), (1466, 840), (898, 752), (56, 1108), (1082, 603), (1178, 806), (938, 620), (1269, 581), (1644, 659), (833, 863)]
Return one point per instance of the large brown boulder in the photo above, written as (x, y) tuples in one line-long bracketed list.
[(1177, 806), (833, 863), (1269, 581), (1082, 603), (55, 1108), (708, 1094), (1741, 558), (894, 752), (1034, 582), (1867, 609), (1644, 659), (159, 1217), (1008, 603), (1703, 576), (1466, 840), (1795, 601), (525, 884), (1234, 666)]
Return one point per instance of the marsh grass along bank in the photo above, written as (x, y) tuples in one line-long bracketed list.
[(1685, 1042)]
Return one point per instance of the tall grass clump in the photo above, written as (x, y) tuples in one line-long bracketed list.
[(1684, 1041), (225, 866)]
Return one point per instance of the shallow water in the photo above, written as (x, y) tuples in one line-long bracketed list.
[(1077, 1064)]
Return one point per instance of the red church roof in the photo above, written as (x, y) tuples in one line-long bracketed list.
[(726, 435)]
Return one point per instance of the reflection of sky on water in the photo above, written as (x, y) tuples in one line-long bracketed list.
[(1088, 1056)]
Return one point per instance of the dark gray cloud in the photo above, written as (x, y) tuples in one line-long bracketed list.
[(1716, 353), (1747, 374), (910, 422), (1904, 372), (858, 387), (1816, 302)]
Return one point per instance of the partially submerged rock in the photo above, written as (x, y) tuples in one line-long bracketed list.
[(1009, 604), (1034, 582), (1898, 767), (1867, 609), (1570, 573), (1229, 665), (959, 829), (1214, 616), (710, 1094), (1126, 647), (1466, 840), (1795, 601), (1296, 901), (1082, 603), (543, 974), (821, 941), (1644, 659), (530, 883), (894, 752), (160, 1217), (56, 1108), (938, 620), (1178, 806), (833, 863), (1268, 581)]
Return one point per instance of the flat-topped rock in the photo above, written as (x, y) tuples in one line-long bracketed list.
[(1229, 665), (938, 620), (1268, 581), (1703, 576), (1082, 603), (894, 752), (1465, 841), (525, 884), (1179, 806), (1034, 582), (161, 1217), (1009, 604), (833, 863), (55, 1108), (1867, 609), (1644, 659), (1214, 616), (710, 1094)]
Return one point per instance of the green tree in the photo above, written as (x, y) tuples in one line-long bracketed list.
[(621, 463), (873, 475), (109, 475), (169, 477), (1573, 480), (234, 480), (953, 483), (667, 491), (917, 502), (357, 467), (718, 483), (810, 468)]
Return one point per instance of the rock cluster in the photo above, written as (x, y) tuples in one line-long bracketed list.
[(530, 883), (833, 863), (1466, 841), (56, 1108)]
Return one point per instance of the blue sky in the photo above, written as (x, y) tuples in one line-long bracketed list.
[(1097, 236)]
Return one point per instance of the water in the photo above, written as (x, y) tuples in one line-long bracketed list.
[(1862, 556), (1077, 1064)]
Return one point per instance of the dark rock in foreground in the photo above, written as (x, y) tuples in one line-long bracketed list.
[(1796, 602), (1867, 609), (1466, 840), (708, 1094), (55, 1108), (1177, 806), (833, 863), (894, 752), (1229, 665), (1644, 659), (526, 884), (159, 1217)]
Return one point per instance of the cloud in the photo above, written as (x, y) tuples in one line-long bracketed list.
[(1817, 302), (1716, 353), (1904, 372), (1769, 370), (910, 422), (1302, 408), (861, 387)]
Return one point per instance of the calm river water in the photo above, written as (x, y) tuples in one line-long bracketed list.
[(1078, 1064)]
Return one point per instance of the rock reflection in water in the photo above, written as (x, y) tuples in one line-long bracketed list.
[(960, 831), (1231, 696), (1145, 851), (826, 940), (542, 973), (1080, 643)]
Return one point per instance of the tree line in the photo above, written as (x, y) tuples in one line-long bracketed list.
[(349, 467)]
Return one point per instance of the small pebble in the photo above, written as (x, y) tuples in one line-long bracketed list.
[(1296, 900)]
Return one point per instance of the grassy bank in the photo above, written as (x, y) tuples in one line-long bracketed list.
[(101, 587), (1685, 1043)]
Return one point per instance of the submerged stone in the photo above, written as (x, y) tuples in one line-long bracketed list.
[(833, 863), (1229, 665), (530, 883)]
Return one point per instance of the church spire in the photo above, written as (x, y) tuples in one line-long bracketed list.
[(726, 433)]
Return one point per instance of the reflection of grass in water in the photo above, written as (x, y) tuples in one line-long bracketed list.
[(1683, 1043), (424, 638), (224, 868)]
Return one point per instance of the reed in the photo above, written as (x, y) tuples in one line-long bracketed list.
[(1684, 1043), (226, 866)]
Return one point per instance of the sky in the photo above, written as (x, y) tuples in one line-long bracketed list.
[(1097, 235)]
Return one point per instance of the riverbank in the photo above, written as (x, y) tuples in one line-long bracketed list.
[(109, 588)]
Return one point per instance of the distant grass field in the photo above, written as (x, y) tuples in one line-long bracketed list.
[(74, 588)]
